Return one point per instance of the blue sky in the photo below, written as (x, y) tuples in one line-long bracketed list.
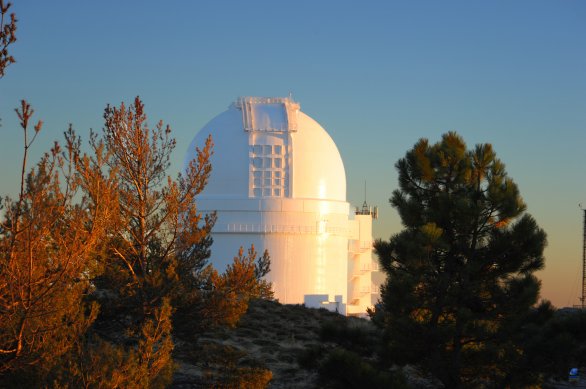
[(378, 75)]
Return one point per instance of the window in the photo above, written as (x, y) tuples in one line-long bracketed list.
[(268, 174)]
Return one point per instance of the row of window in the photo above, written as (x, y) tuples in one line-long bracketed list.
[(267, 192), (259, 182), (266, 149), (267, 166), (268, 174), (267, 162)]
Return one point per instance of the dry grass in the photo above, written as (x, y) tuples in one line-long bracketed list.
[(270, 336)]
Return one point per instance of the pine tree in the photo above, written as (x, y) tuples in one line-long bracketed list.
[(47, 236), (461, 271), (157, 241), (155, 212), (108, 231), (232, 290)]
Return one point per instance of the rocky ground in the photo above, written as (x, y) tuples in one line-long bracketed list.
[(274, 339), (270, 336)]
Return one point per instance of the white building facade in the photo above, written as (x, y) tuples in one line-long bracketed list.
[(278, 183)]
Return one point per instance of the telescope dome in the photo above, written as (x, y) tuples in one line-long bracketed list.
[(268, 148)]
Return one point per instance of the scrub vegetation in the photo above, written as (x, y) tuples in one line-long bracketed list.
[(102, 252), (105, 280)]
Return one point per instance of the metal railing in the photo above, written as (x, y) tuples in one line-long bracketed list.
[(280, 229)]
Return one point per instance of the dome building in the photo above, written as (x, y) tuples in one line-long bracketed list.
[(278, 182)]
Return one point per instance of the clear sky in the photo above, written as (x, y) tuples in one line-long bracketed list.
[(377, 75)]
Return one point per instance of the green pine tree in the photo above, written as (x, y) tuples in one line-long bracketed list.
[(460, 273)]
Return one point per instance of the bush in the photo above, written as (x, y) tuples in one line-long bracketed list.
[(358, 337), (345, 370), (310, 357)]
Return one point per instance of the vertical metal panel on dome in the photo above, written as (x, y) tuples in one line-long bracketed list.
[(271, 114), (268, 120)]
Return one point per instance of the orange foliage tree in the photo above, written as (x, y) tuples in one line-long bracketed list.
[(232, 290), (157, 219), (108, 232), (156, 222), (47, 235)]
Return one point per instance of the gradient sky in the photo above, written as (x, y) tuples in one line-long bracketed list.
[(376, 75)]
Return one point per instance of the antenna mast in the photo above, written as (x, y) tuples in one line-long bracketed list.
[(365, 207), (367, 210), (583, 297)]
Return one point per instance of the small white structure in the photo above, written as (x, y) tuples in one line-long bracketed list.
[(278, 182)]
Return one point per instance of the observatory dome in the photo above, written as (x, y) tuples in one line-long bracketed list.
[(267, 148), (278, 183)]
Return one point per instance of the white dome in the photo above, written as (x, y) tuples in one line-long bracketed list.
[(278, 183), (267, 148)]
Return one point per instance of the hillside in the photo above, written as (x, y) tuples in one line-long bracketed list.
[(270, 336), (287, 342)]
